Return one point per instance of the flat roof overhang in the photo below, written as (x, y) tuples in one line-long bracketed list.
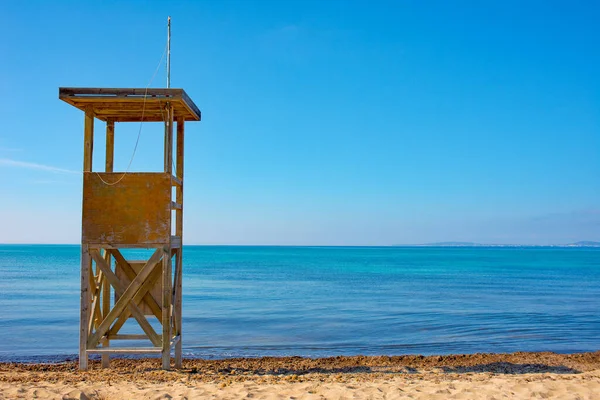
[(131, 104)]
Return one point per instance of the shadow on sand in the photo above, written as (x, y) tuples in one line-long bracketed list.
[(510, 368), (496, 368)]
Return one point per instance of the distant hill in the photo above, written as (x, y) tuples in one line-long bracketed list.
[(453, 244), (584, 244)]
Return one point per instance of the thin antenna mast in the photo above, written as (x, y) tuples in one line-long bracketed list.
[(169, 53)]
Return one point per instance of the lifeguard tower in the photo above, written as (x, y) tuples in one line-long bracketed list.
[(125, 210)]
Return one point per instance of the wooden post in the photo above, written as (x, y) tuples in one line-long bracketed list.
[(169, 140), (178, 308), (179, 232), (179, 172), (109, 166), (88, 140), (106, 308), (166, 309), (110, 145), (86, 261), (86, 264)]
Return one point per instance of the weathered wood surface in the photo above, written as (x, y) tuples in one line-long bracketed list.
[(168, 152), (126, 350), (86, 265), (127, 292), (137, 210), (108, 167), (167, 287), (110, 145), (176, 181), (177, 308), (120, 336), (125, 301), (146, 286), (88, 138), (177, 303), (129, 104), (152, 301)]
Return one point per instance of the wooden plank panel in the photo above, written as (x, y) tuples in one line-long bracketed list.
[(137, 210)]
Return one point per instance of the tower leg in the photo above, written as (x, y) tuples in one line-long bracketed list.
[(86, 264), (166, 310), (177, 307), (106, 308)]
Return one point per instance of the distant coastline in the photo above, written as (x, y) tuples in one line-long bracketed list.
[(586, 243)]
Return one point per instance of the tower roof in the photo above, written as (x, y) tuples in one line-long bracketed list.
[(132, 104)]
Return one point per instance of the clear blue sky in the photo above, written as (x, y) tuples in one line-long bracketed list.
[(324, 122)]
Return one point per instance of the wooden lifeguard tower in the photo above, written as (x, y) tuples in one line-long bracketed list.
[(124, 210)]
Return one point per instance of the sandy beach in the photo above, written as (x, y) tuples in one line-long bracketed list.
[(477, 376)]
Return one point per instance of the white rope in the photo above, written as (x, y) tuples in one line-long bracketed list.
[(141, 125)]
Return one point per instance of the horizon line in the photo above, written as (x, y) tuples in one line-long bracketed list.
[(433, 244)]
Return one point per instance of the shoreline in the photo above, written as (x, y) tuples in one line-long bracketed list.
[(523, 374)]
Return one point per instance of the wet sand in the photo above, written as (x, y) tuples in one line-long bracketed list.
[(477, 376)]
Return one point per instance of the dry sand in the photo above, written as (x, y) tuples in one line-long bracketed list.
[(477, 376)]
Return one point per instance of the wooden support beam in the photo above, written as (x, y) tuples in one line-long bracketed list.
[(125, 300), (127, 337), (177, 307), (179, 172), (120, 289), (175, 316), (144, 289), (92, 279), (126, 350), (106, 293), (176, 181), (129, 271), (86, 264), (95, 290), (166, 309), (180, 140), (169, 139), (88, 139), (110, 145), (95, 310)]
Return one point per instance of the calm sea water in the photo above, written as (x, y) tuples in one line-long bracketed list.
[(322, 301)]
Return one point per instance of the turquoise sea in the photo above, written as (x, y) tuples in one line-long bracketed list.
[(323, 301)]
